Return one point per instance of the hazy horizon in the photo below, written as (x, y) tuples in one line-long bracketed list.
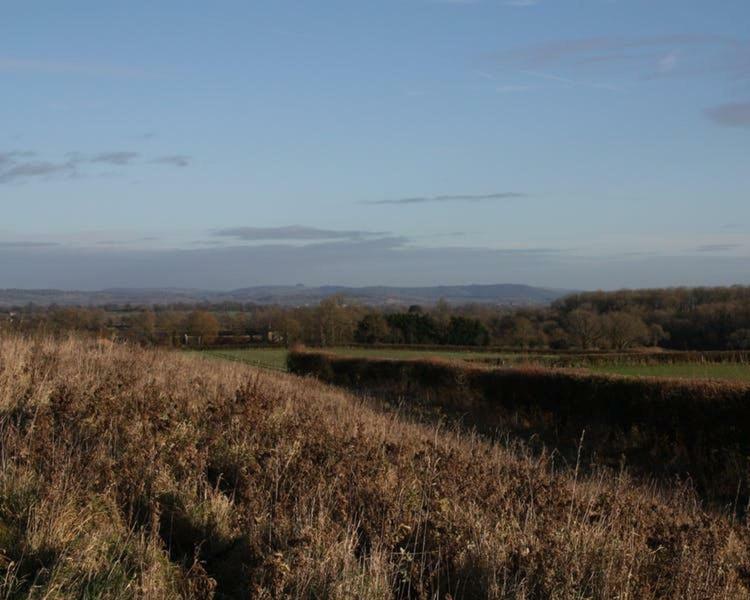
[(597, 144)]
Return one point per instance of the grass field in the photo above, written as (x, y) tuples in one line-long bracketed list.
[(268, 358), (275, 358), (727, 371)]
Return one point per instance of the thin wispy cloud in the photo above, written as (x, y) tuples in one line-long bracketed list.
[(7, 157), (617, 57), (717, 247), (513, 89), (603, 48), (516, 3), (177, 160), (450, 198), (485, 75), (575, 62), (23, 166), (54, 67), (12, 171), (115, 158), (569, 81), (27, 244), (652, 56), (503, 88), (667, 63), (294, 233), (736, 114)]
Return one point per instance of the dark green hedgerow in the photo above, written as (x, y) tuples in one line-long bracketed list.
[(662, 427)]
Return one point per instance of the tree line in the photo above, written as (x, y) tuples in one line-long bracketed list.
[(674, 318)]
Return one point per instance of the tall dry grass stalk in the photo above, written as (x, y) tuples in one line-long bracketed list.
[(127, 473)]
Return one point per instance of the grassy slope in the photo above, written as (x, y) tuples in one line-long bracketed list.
[(269, 358), (132, 473), (275, 358)]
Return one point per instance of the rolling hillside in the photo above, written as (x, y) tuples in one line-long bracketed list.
[(129, 473)]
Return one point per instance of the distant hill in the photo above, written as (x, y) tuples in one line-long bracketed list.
[(503, 294)]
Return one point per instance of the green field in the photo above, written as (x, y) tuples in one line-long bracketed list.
[(726, 371), (275, 358), (268, 358)]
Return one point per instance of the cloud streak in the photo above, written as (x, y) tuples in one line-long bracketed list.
[(668, 62), (717, 247), (295, 233), (605, 48), (450, 198), (176, 160), (516, 3), (654, 56), (115, 158), (735, 114), (23, 166), (12, 171), (568, 80), (8, 157), (27, 244), (51, 67)]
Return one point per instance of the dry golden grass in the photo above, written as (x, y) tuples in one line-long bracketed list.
[(658, 427), (127, 473)]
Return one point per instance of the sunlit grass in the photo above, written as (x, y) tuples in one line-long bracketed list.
[(268, 358), (275, 358)]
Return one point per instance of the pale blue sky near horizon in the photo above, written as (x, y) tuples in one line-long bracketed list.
[(576, 144)]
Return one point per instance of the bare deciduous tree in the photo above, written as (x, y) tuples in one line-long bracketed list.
[(585, 327)]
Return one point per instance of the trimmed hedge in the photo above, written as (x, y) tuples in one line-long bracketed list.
[(662, 427)]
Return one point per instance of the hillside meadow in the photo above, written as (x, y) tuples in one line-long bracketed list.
[(131, 473), (692, 429), (707, 365)]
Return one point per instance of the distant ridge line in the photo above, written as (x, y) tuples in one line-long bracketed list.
[(506, 294)]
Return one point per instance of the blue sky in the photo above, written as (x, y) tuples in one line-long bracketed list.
[(576, 144)]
